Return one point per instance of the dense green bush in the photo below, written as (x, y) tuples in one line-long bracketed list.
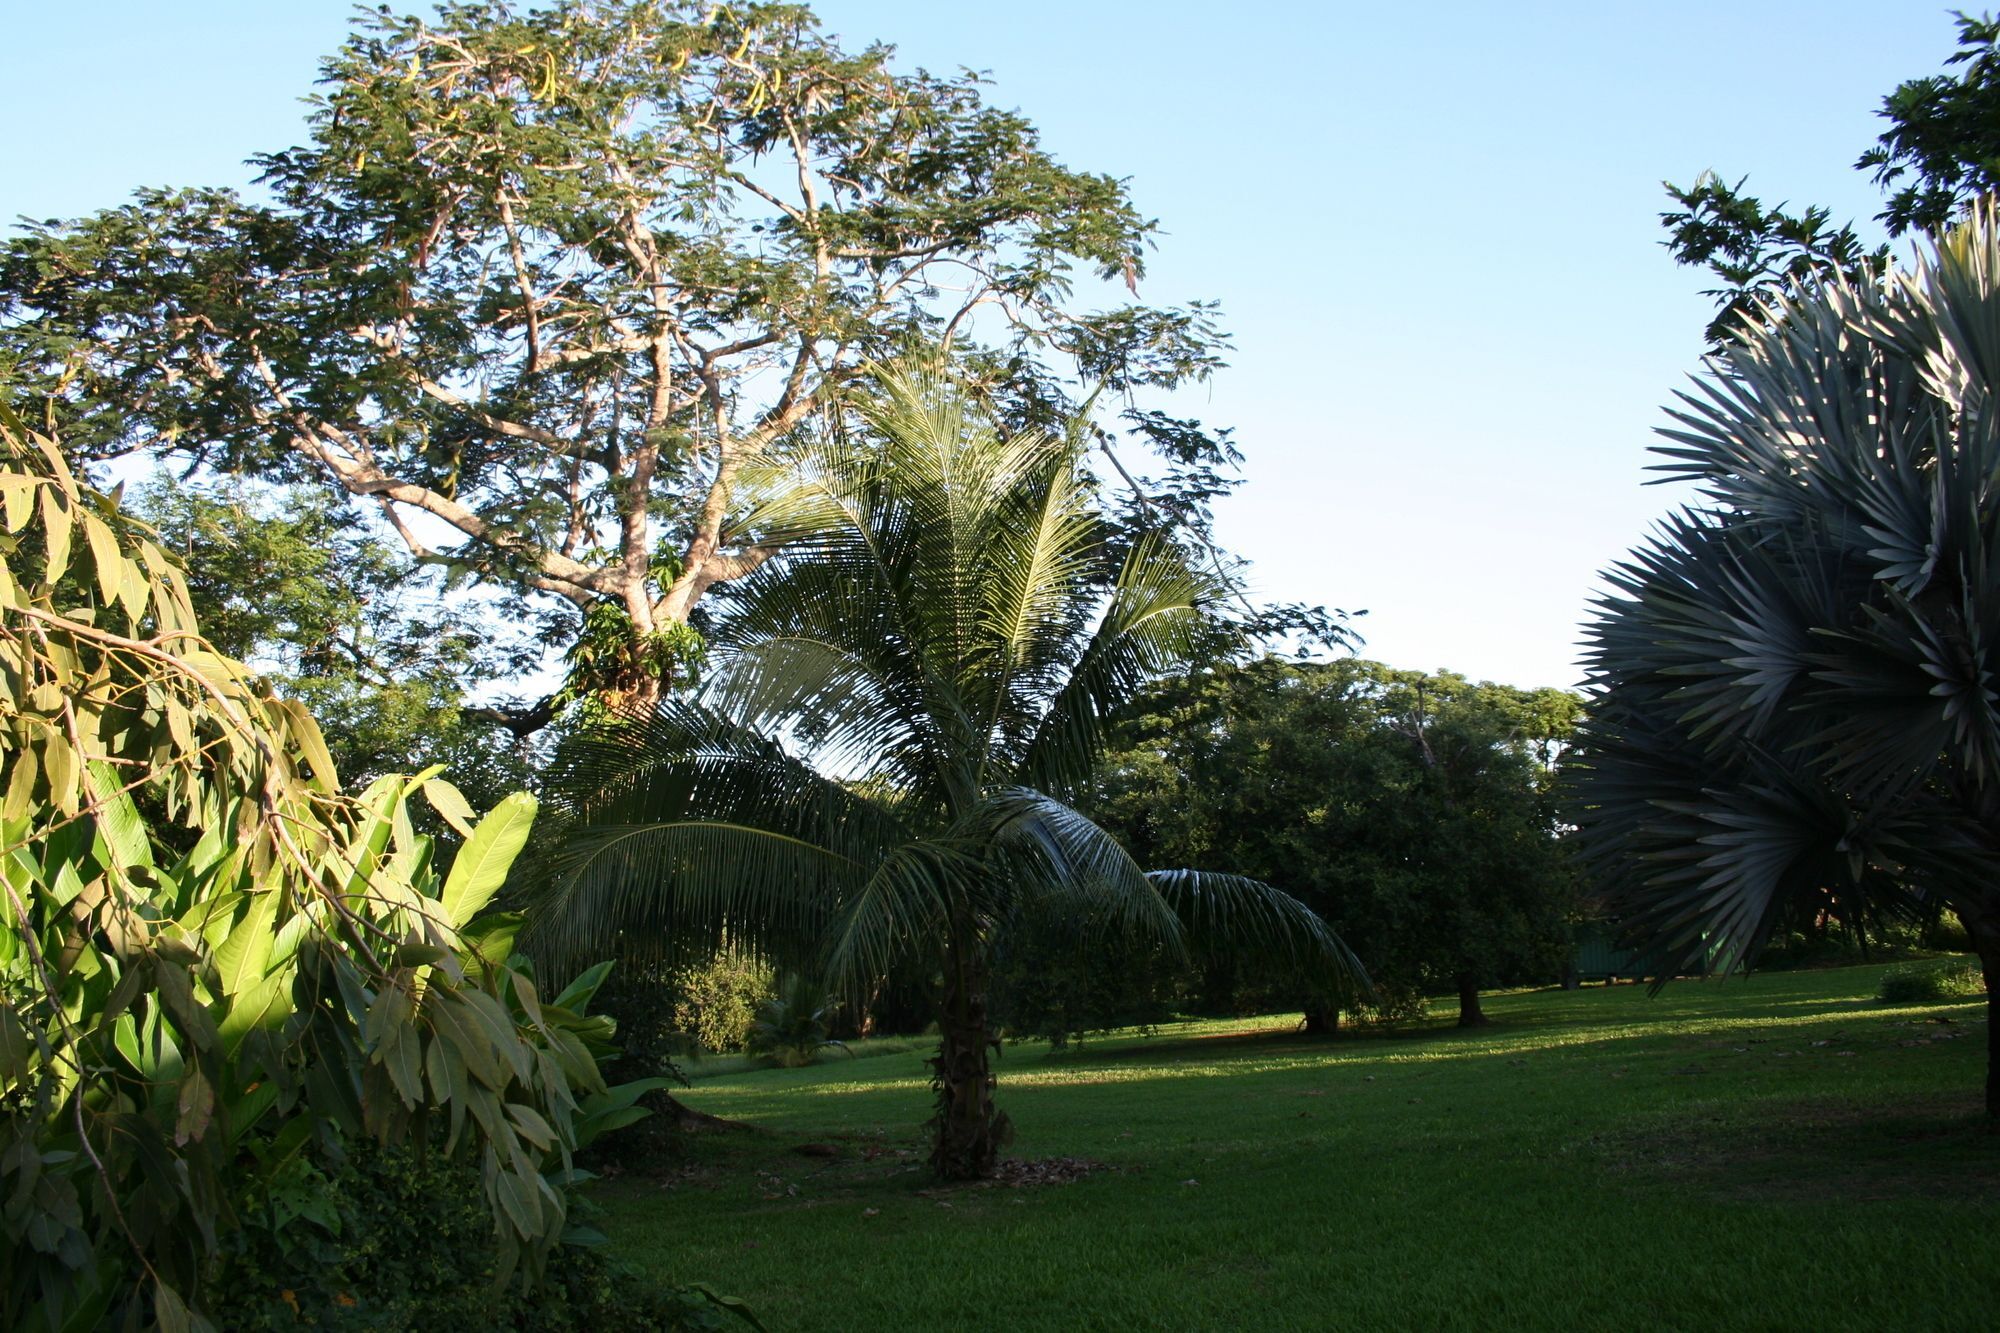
[(1810, 938), (1059, 979), (666, 1011), (219, 972), (1943, 979), (715, 1003), (387, 1240), (383, 1239), (1395, 1004), (793, 1026)]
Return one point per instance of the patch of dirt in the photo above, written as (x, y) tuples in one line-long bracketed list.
[(1023, 1172), (1816, 1151), (827, 1150), (1017, 1173)]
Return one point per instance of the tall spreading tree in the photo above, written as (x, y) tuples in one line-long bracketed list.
[(540, 285)]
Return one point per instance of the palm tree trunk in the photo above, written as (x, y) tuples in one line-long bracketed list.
[(969, 1131), (1322, 1019), (1983, 925)]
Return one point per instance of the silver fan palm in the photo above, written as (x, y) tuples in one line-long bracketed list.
[(1794, 680)]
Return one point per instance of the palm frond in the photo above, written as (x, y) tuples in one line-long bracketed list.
[(1154, 620), (903, 909), (670, 888), (785, 845), (1229, 914), (1798, 695), (1060, 855)]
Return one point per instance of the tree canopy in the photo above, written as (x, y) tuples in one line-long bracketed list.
[(1413, 811), (539, 285), (1940, 152)]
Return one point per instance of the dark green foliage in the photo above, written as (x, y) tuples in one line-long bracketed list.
[(1413, 812), (793, 1025), (1940, 152), (1754, 250), (378, 1240), (1913, 983), (1942, 147), (387, 1241), (1058, 978), (1806, 936)]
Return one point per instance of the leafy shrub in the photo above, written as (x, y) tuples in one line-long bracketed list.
[(1395, 1004), (213, 962), (666, 1011), (382, 1240), (792, 1027), (1917, 983), (1811, 940), (716, 1002), (390, 1240), (1947, 934)]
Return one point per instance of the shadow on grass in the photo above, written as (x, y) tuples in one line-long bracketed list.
[(1815, 1150)]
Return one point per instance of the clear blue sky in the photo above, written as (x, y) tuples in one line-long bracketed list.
[(1433, 230)]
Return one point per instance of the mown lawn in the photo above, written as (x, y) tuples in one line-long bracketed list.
[(1773, 1152)]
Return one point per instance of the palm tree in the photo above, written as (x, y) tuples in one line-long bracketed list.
[(944, 634), (1796, 693)]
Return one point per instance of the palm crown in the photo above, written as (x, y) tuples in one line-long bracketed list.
[(947, 630), (1797, 701)]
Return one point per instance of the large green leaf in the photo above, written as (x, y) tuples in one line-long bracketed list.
[(481, 865), (242, 955)]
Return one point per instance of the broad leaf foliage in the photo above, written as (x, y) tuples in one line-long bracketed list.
[(211, 961)]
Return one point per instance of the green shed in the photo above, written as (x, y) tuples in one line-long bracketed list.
[(1596, 955)]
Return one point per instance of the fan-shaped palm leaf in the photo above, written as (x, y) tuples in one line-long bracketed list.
[(1797, 696)]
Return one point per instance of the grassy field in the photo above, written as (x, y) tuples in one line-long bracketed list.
[(1775, 1152)]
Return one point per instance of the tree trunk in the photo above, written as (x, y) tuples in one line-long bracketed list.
[(1469, 1013), (1984, 928), (1322, 1020), (969, 1131)]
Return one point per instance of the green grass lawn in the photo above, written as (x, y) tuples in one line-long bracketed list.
[(1772, 1152)]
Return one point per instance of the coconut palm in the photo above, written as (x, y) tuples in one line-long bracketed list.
[(943, 635), (1796, 678)]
